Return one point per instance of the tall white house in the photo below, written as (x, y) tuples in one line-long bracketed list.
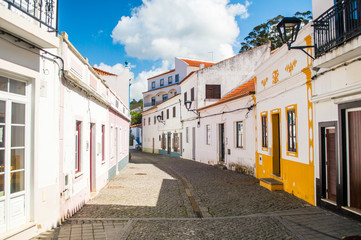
[(337, 104)]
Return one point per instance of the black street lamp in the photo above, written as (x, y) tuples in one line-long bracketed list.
[(159, 118), (188, 105), (288, 30)]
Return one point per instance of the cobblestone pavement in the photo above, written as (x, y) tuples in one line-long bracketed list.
[(159, 197)]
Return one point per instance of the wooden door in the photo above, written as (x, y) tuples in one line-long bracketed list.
[(169, 142), (221, 143), (276, 156), (331, 170), (354, 151)]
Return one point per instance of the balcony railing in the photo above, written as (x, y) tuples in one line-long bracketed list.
[(42, 11), (337, 25)]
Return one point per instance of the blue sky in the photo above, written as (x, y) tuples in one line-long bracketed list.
[(149, 35)]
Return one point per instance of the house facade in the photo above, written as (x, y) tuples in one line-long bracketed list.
[(284, 120), (56, 119), (337, 103), (29, 128)]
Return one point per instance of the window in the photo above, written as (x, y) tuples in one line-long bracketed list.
[(162, 82), (170, 80), (185, 96), (239, 134), (163, 141), (77, 146), (192, 94), (177, 78), (213, 91), (153, 85), (187, 135), (144, 121), (153, 101), (264, 131), (291, 130), (167, 113), (162, 115), (103, 143), (165, 97), (149, 121), (208, 134), (155, 119), (174, 110), (12, 86)]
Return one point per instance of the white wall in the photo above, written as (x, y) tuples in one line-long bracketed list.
[(320, 6), (240, 156)]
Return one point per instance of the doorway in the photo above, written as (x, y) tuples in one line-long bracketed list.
[(221, 143), (153, 145), (169, 142), (354, 159), (276, 149), (194, 143), (92, 158)]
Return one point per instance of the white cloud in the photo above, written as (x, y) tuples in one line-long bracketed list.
[(139, 85), (116, 69), (163, 29)]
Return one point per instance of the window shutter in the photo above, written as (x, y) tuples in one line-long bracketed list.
[(192, 94), (185, 96)]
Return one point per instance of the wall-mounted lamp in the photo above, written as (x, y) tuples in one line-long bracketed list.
[(288, 30), (188, 105), (159, 119)]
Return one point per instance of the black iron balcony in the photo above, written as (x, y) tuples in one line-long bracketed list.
[(43, 11), (337, 25)]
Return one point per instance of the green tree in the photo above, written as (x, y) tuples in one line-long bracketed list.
[(136, 118), (267, 32)]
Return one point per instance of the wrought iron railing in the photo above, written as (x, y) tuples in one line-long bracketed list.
[(43, 11), (337, 25)]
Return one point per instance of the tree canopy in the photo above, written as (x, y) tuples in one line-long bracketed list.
[(136, 117), (265, 32)]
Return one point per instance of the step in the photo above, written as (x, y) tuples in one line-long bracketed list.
[(271, 184)]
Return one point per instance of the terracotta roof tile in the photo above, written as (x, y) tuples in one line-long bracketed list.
[(196, 63), (243, 90), (136, 125), (103, 73)]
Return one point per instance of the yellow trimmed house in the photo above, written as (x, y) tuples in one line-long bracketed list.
[(284, 123)]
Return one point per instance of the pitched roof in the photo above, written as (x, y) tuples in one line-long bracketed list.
[(136, 125), (243, 90), (103, 73), (162, 74), (196, 63)]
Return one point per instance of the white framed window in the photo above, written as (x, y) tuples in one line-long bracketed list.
[(239, 134), (208, 134)]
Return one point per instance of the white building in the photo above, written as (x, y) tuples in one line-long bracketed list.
[(337, 104), (165, 85), (29, 128), (226, 133), (136, 132), (56, 117)]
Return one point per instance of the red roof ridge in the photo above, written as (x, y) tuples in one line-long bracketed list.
[(161, 74), (241, 91), (103, 73), (196, 63)]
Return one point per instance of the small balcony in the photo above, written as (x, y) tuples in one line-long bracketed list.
[(338, 25), (42, 11)]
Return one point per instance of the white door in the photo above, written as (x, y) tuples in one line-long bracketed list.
[(13, 157)]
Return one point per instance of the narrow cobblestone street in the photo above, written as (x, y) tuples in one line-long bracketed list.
[(159, 197)]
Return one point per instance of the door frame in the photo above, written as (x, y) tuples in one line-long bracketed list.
[(322, 191), (278, 165), (92, 155), (342, 188), (221, 143), (193, 143)]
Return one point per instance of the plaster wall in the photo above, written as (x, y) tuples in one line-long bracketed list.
[(320, 6)]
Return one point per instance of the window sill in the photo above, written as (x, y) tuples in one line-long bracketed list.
[(292, 154), (103, 162), (78, 175)]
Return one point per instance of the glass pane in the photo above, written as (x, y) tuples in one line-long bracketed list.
[(2, 112), (17, 182), (17, 136), (17, 159), (3, 84), (2, 161), (2, 135), (18, 113), (2, 188), (17, 87)]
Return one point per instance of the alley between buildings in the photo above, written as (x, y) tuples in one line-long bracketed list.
[(160, 197)]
